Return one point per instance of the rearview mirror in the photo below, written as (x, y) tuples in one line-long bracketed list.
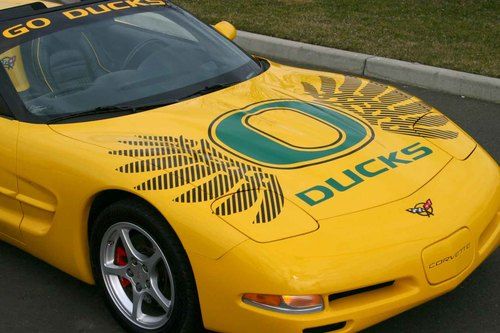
[(226, 29)]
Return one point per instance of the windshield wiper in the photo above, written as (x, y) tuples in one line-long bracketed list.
[(109, 109), (133, 109), (209, 89), (97, 111)]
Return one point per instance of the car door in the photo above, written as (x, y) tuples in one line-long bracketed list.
[(10, 208)]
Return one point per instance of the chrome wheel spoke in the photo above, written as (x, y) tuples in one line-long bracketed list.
[(131, 251), (111, 269), (158, 296), (137, 299), (153, 260)]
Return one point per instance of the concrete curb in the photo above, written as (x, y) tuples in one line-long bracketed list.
[(440, 79)]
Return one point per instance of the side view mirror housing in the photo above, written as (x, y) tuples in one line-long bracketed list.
[(226, 29)]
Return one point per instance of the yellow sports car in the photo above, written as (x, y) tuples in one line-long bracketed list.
[(200, 187)]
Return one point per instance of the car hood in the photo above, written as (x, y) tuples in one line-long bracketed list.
[(285, 143)]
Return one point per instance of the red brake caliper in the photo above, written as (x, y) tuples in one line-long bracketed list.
[(121, 260)]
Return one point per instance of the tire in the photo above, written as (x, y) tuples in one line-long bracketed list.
[(150, 273)]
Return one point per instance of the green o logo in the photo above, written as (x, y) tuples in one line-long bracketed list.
[(287, 134)]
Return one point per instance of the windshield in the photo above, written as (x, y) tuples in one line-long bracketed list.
[(95, 56)]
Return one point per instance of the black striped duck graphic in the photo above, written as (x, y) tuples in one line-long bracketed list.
[(186, 161), (381, 105)]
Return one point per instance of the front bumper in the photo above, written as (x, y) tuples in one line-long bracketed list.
[(347, 254)]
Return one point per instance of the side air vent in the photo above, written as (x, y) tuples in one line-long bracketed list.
[(326, 328), (353, 292)]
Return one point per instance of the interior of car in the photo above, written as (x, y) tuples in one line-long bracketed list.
[(119, 60)]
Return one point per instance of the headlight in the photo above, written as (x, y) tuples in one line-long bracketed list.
[(285, 303)]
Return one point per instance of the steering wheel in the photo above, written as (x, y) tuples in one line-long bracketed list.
[(141, 52)]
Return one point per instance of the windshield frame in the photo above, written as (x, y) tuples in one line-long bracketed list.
[(17, 108)]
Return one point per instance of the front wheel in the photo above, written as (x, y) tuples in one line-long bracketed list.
[(143, 270)]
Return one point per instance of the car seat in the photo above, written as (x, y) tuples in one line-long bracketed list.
[(62, 62)]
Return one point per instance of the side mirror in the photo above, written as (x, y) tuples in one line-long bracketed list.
[(226, 29)]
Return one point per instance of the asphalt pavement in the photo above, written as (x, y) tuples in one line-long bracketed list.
[(35, 297)]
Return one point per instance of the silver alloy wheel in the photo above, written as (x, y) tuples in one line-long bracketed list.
[(142, 287)]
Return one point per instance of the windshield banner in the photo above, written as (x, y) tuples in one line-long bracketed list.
[(18, 31)]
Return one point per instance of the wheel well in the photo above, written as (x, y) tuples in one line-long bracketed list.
[(107, 198)]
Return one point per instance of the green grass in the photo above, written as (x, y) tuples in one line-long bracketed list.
[(457, 34)]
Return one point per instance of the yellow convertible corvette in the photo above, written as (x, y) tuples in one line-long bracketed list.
[(200, 187)]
